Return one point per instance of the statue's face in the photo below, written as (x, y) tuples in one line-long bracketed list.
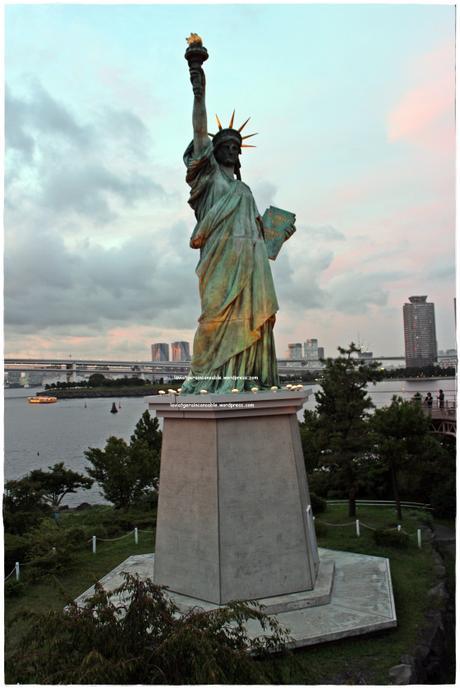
[(227, 153)]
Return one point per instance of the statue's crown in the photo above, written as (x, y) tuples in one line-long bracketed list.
[(231, 133)]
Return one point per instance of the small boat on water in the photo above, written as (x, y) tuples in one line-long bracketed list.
[(42, 400)]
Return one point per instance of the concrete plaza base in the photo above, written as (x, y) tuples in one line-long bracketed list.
[(353, 596), (234, 514)]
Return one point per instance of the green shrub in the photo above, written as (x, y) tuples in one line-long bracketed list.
[(148, 501), (16, 549), (389, 537), (19, 522), (53, 562), (150, 643), (76, 537), (99, 531), (424, 517), (14, 588), (336, 494), (318, 504), (319, 482)]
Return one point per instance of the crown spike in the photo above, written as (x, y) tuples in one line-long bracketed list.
[(247, 145), (218, 123), (244, 124), (230, 126), (249, 136), (211, 135)]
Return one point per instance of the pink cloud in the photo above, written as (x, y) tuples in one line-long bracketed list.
[(425, 113)]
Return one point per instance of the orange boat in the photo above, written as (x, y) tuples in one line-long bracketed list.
[(42, 400)]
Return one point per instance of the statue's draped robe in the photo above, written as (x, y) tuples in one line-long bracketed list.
[(233, 346)]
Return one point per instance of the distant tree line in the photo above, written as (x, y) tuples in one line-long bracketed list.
[(427, 371), (314, 376), (99, 380)]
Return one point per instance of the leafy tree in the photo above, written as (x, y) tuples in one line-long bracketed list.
[(343, 406), (23, 505), (400, 438), (143, 640), (24, 496), (125, 472), (148, 430), (58, 482), (310, 435), (97, 380)]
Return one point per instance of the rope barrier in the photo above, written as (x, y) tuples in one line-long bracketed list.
[(381, 502), (92, 540), (10, 574), (114, 539), (358, 523), (335, 525), (366, 526)]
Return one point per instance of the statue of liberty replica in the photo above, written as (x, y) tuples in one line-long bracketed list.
[(234, 346), (234, 515), (235, 520)]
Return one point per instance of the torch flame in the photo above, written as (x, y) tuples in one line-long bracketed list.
[(194, 39)]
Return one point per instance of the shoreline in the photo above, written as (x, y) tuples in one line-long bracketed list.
[(149, 390), (116, 392)]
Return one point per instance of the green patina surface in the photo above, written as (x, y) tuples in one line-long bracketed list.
[(233, 346)]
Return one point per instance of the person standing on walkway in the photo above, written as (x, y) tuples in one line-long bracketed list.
[(429, 401), (441, 399)]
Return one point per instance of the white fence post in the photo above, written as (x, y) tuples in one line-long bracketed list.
[(136, 536), (358, 532), (94, 544), (419, 538), (16, 567)]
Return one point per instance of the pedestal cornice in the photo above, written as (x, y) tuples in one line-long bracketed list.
[(212, 406)]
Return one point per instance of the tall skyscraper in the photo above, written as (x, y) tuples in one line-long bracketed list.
[(310, 350), (160, 352), (419, 332), (295, 351), (180, 351)]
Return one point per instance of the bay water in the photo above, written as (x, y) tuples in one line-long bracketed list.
[(40, 435)]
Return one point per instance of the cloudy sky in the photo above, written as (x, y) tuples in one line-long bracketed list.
[(354, 105)]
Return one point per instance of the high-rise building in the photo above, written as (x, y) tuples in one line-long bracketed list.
[(310, 350), (160, 352), (419, 332), (180, 351), (321, 352), (295, 351)]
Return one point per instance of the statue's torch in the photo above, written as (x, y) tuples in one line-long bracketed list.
[(195, 55)]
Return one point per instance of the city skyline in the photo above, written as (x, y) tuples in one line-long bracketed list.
[(359, 143)]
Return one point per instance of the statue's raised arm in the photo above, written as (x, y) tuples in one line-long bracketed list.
[(195, 55)]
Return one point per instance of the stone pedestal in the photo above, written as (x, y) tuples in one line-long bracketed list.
[(234, 515), (235, 523)]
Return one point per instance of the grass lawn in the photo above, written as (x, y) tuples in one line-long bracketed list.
[(357, 660), (367, 659)]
